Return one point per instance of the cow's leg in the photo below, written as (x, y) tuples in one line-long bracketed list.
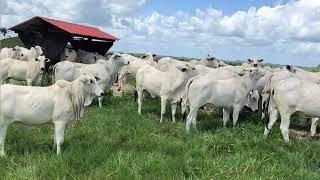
[(29, 82), (273, 116), (3, 134), (284, 126), (173, 111), (59, 133), (192, 118), (100, 99), (314, 123), (54, 142), (163, 107), (184, 108), (235, 115), (140, 100), (226, 116)]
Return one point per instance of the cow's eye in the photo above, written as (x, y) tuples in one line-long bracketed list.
[(91, 81), (254, 99)]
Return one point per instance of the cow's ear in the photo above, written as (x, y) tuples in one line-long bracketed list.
[(97, 78), (250, 60), (183, 69), (288, 67), (260, 60)]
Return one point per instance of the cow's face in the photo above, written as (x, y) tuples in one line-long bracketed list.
[(38, 50), (255, 62), (119, 59), (253, 100), (149, 57), (42, 62), (69, 52), (290, 68), (189, 70), (90, 84)]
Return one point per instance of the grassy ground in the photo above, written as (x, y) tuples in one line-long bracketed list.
[(114, 142)]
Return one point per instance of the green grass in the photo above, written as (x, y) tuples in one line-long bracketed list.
[(114, 142), (11, 42)]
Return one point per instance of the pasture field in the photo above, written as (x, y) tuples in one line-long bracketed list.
[(114, 142)]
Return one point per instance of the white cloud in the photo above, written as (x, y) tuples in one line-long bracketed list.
[(286, 29)]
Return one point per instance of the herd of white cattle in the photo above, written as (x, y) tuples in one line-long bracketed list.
[(81, 76)]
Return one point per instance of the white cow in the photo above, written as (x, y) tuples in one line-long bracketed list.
[(303, 74), (88, 57), (134, 65), (61, 104), (253, 62), (106, 71), (230, 94), (68, 54), (29, 71), (289, 96), (167, 85), (13, 53), (30, 54), (209, 61)]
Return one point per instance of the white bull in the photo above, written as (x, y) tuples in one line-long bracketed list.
[(230, 94), (167, 85), (61, 104), (29, 71), (68, 54), (30, 54), (303, 74), (13, 53), (289, 96), (253, 62), (88, 57), (209, 61), (106, 71), (134, 65)]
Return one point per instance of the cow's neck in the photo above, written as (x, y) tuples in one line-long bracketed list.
[(77, 96), (179, 80)]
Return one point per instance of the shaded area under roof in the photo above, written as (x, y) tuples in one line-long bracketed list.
[(53, 35)]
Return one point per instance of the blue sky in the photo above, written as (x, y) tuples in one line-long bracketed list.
[(170, 7), (279, 31)]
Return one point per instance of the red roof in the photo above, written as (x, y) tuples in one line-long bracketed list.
[(80, 30)]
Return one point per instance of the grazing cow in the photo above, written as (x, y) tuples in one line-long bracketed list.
[(253, 62), (289, 96), (134, 65), (30, 54), (230, 94), (88, 57), (61, 104), (30, 71), (167, 85), (68, 54), (106, 71), (13, 53)]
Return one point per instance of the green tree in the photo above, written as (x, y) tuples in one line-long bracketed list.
[(4, 31)]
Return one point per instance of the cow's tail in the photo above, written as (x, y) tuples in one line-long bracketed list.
[(54, 73), (185, 99)]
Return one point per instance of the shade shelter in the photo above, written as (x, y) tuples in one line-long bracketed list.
[(53, 35)]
